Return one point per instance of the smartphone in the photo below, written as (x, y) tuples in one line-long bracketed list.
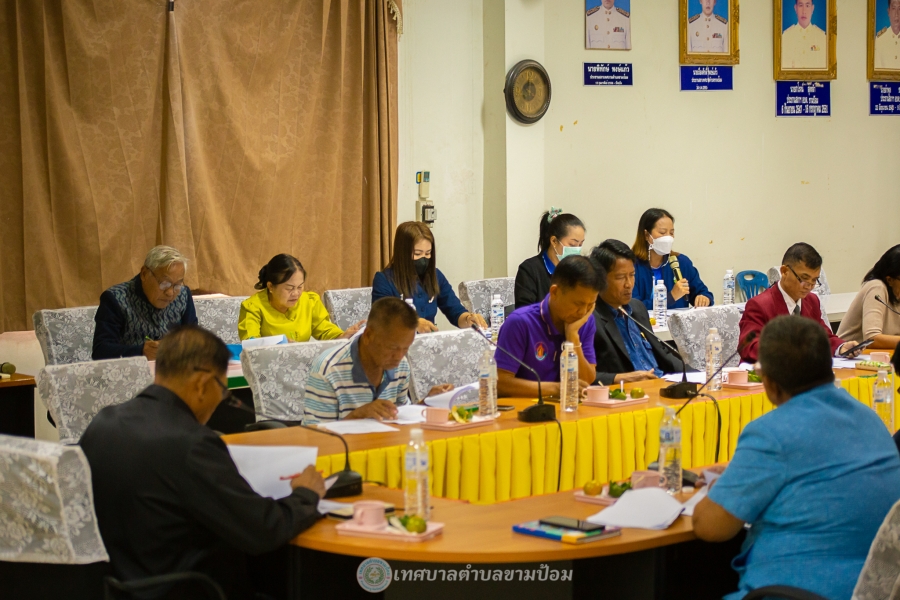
[(862, 345), (505, 407), (570, 523)]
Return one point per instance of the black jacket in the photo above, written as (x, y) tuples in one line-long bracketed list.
[(168, 495), (532, 281), (612, 358)]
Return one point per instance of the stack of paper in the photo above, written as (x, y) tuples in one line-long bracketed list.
[(647, 508), (409, 414), (351, 426), (461, 395), (269, 469), (693, 377)]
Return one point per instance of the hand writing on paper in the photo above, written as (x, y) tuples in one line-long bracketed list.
[(376, 409), (311, 479)]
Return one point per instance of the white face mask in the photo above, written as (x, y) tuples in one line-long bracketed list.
[(662, 245)]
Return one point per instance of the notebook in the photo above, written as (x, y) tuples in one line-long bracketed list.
[(568, 536)]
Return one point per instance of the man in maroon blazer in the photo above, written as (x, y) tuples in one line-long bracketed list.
[(800, 269)]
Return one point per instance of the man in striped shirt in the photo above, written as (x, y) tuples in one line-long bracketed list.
[(368, 377)]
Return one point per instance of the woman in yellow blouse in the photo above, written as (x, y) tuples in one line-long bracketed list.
[(282, 307)]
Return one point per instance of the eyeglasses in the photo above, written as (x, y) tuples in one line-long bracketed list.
[(810, 283), (166, 285), (226, 393)]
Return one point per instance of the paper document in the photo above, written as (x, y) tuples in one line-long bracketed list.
[(352, 426), (409, 414), (264, 466), (272, 340), (466, 394), (326, 506), (646, 508), (694, 501), (696, 377), (844, 363)]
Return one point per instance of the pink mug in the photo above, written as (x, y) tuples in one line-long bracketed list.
[(436, 415), (369, 513), (882, 357), (596, 393), (734, 376)]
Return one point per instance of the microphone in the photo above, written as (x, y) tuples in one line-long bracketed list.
[(540, 412), (676, 391), (676, 268), (346, 482), (888, 306)]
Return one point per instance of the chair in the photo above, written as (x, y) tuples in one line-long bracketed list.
[(66, 335), (690, 328), (445, 357), (277, 376), (348, 307), (477, 295), (220, 316), (880, 575), (823, 289), (75, 393), (751, 283)]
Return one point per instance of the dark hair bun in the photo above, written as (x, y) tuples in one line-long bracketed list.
[(261, 284)]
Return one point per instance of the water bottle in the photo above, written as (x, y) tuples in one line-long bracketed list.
[(728, 288), (416, 493), (568, 378), (497, 316), (487, 384), (660, 302), (883, 399), (670, 452), (714, 359)]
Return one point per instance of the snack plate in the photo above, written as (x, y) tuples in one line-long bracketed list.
[(613, 403), (603, 499), (872, 368), (750, 386), (386, 533), (456, 425)]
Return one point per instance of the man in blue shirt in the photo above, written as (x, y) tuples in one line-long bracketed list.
[(535, 333), (814, 478)]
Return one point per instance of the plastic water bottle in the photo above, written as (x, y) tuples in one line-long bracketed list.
[(670, 452), (660, 303), (883, 399), (728, 287), (568, 378), (487, 385), (714, 359), (497, 316), (416, 493)]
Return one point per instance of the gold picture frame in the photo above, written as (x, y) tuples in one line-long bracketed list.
[(708, 57), (806, 73), (875, 71)]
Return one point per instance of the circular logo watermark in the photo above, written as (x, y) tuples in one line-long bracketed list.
[(374, 575)]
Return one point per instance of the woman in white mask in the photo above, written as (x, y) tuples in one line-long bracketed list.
[(656, 260), (561, 235)]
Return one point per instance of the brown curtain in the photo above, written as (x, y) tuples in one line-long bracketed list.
[(232, 130)]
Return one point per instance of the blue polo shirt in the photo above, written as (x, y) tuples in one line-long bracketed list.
[(529, 334)]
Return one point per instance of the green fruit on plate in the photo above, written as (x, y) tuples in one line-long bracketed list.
[(637, 393), (416, 524)]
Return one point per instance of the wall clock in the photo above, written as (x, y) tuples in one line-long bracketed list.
[(527, 91)]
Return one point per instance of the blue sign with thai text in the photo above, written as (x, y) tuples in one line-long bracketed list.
[(608, 74), (884, 97), (702, 79), (802, 98)]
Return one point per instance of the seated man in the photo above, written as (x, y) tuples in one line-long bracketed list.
[(367, 378), (536, 332), (133, 316), (167, 494), (814, 478), (623, 352), (800, 269)]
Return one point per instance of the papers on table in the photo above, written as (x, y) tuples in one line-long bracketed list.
[(352, 426), (844, 363), (694, 501), (646, 508), (409, 414), (271, 340), (264, 466), (326, 506), (466, 394), (695, 377)]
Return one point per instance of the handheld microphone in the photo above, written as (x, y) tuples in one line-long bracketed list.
[(888, 306), (676, 268), (676, 391), (346, 482), (540, 412)]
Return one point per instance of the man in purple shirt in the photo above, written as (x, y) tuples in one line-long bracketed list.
[(532, 333)]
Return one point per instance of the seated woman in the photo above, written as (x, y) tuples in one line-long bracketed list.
[(653, 249), (282, 307), (561, 235), (873, 313), (413, 275)]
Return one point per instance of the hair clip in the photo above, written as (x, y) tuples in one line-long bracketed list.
[(554, 212)]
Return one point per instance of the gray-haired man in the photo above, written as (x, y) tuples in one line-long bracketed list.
[(134, 315)]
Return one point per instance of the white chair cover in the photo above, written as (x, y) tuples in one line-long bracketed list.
[(47, 504), (75, 393), (66, 335), (880, 576), (220, 316), (445, 357), (348, 307), (690, 328), (277, 376), (476, 295)]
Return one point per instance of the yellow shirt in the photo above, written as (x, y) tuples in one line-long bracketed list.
[(308, 318)]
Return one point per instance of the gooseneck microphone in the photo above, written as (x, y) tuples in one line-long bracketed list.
[(676, 391), (346, 482), (888, 306), (540, 412)]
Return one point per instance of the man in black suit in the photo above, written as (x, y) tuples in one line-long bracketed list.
[(623, 352), (168, 496)]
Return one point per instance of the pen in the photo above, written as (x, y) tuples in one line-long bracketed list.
[(289, 477)]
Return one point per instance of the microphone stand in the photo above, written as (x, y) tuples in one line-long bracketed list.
[(346, 482), (540, 412), (676, 391)]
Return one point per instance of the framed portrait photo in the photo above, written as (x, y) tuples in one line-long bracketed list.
[(708, 32), (884, 40), (805, 38), (607, 24)]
